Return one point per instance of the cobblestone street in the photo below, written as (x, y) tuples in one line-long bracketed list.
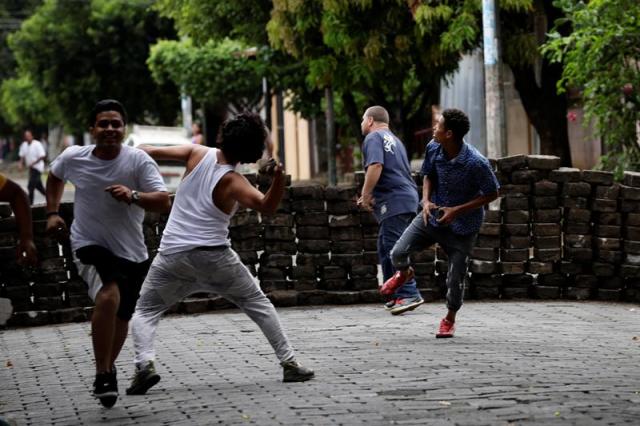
[(510, 363)]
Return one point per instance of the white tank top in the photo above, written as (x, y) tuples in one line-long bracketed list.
[(195, 220)]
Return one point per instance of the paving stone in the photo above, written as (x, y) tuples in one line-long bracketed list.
[(607, 192), (598, 177), (632, 179), (543, 162), (572, 358), (565, 174)]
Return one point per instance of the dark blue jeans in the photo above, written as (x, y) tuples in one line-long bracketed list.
[(419, 236), (390, 231)]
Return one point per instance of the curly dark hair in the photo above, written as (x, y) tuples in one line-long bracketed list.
[(456, 121), (242, 138), (107, 105)]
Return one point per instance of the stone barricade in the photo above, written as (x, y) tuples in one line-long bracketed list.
[(554, 233)]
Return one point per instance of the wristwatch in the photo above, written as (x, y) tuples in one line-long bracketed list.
[(135, 197)]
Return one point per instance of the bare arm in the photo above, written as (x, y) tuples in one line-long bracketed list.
[(157, 201), (36, 161), (55, 188), (189, 154), (55, 224), (17, 198), (239, 189), (371, 178)]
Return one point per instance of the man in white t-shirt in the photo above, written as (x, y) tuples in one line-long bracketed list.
[(114, 185), (32, 155), (195, 253)]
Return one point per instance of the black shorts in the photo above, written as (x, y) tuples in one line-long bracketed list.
[(128, 275)]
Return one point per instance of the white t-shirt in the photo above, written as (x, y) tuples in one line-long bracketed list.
[(31, 152), (98, 218)]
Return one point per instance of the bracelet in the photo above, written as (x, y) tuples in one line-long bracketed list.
[(49, 214)]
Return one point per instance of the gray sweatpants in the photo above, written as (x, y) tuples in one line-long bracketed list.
[(173, 277), (419, 236)]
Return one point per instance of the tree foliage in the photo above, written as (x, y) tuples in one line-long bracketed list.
[(12, 12), (23, 105), (213, 72), (523, 24), (601, 56), (369, 52), (79, 52)]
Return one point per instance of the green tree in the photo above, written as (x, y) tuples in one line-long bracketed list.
[(226, 48), (601, 56), (12, 13), (23, 105), (368, 52), (79, 52), (229, 71), (523, 25)]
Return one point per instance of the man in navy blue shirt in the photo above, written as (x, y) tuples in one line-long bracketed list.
[(390, 192), (458, 182)]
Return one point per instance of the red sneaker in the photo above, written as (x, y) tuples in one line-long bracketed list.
[(446, 329), (396, 281)]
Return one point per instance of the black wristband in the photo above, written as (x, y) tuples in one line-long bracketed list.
[(49, 214)]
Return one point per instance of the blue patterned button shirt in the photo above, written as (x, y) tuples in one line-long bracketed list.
[(458, 181)]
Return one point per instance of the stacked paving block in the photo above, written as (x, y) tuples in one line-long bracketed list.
[(516, 189), (607, 233), (313, 242), (555, 231), (578, 238), (486, 279), (245, 231), (630, 211), (546, 233), (14, 283)]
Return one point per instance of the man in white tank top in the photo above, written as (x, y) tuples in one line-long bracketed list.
[(114, 185), (195, 254)]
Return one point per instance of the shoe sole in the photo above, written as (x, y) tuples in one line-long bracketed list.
[(144, 387), (299, 378), (108, 399), (444, 336), (406, 308)]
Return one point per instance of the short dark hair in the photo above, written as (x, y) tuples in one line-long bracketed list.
[(107, 105), (378, 114), (242, 138), (456, 121)]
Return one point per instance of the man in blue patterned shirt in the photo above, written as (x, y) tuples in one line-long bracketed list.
[(390, 192), (458, 182)]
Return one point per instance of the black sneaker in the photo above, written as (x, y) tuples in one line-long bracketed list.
[(105, 388), (144, 379), (293, 371)]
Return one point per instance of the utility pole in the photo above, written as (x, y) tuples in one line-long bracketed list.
[(494, 94), (331, 137), (187, 112)]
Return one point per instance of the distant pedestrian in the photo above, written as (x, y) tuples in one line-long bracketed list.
[(114, 185), (32, 155), (196, 134), (390, 192), (458, 182), (195, 253)]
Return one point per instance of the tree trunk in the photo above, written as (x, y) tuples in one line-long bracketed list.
[(546, 110)]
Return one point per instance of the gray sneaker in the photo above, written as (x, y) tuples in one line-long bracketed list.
[(144, 379), (390, 304), (405, 305), (293, 371)]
